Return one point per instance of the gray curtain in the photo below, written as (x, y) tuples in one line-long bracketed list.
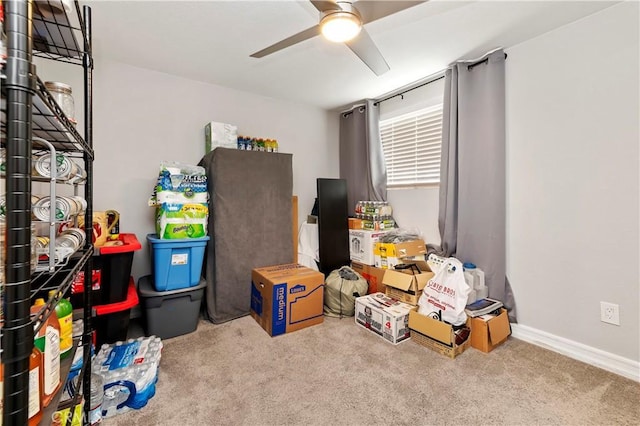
[(472, 211), (361, 157)]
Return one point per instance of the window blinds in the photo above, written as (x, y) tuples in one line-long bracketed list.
[(411, 145)]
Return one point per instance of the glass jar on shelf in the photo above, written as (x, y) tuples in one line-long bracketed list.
[(62, 94)]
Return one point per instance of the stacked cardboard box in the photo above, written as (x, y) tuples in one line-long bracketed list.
[(361, 243), (388, 255), (406, 285), (384, 316)]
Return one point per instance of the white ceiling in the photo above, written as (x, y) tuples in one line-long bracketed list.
[(211, 41)]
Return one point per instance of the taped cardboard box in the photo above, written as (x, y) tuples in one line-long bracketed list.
[(436, 335), (361, 242), (406, 285), (387, 255), (384, 316), (489, 331), (372, 274), (286, 298), (221, 135)]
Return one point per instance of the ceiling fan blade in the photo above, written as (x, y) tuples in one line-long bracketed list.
[(323, 5), (289, 41), (374, 10), (366, 49)]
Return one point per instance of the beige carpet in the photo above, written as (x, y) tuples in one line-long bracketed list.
[(337, 373)]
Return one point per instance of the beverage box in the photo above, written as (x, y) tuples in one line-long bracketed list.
[(384, 316), (220, 135), (388, 255), (361, 242), (129, 370), (489, 331), (407, 284), (372, 274), (355, 223), (436, 335), (286, 298)]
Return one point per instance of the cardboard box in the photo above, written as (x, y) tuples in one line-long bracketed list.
[(387, 255), (384, 316), (406, 285), (355, 223), (220, 135), (372, 274), (286, 298), (361, 244), (487, 332), (436, 335)]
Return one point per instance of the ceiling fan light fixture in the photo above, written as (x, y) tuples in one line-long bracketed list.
[(340, 26)]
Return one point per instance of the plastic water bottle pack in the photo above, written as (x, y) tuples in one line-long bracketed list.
[(130, 372)]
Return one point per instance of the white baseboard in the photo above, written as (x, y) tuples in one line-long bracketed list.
[(596, 357)]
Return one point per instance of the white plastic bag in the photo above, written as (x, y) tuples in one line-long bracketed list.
[(445, 295)]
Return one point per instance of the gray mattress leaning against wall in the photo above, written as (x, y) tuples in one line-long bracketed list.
[(250, 221)]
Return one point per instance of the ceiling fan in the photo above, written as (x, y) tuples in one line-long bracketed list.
[(347, 19)]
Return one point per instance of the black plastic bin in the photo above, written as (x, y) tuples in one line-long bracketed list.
[(111, 321), (111, 273), (114, 264)]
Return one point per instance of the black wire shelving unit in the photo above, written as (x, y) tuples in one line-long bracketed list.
[(60, 31)]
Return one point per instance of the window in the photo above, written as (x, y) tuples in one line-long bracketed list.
[(411, 145)]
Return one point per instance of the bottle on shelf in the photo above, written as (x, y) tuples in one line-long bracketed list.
[(48, 342), (35, 387), (64, 312)]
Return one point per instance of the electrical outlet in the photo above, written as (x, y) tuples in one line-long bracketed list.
[(610, 313)]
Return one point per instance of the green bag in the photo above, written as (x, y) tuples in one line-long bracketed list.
[(341, 288)]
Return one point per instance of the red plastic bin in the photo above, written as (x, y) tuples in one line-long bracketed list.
[(111, 321)]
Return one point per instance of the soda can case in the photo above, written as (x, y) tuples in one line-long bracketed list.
[(130, 372)]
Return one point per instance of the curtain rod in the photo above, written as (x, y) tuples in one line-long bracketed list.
[(480, 62), (469, 67), (408, 90)]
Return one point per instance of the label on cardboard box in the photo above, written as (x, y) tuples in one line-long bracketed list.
[(361, 244), (387, 255), (286, 298), (384, 316)]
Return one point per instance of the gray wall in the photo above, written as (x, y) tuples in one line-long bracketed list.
[(572, 179), (143, 117)]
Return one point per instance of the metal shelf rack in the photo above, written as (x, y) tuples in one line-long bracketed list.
[(61, 31)]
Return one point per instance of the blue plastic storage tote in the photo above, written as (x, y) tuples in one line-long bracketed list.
[(176, 263)]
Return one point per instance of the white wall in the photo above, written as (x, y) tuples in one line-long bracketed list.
[(143, 117), (572, 179), (415, 208)]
